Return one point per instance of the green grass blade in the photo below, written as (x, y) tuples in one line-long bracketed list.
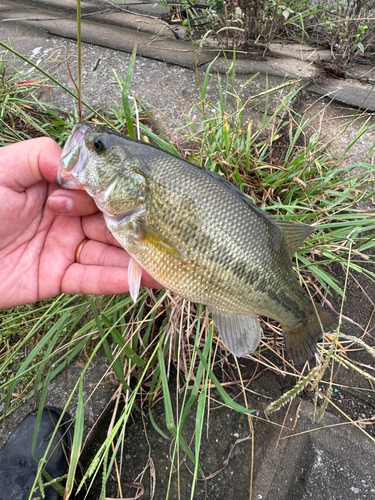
[(161, 143), (125, 95), (202, 401), (226, 398), (41, 408), (58, 326), (169, 418), (77, 443), (154, 387), (120, 341), (115, 362)]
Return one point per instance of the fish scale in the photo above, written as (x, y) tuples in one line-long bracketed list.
[(197, 235)]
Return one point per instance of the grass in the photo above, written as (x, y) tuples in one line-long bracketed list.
[(146, 341)]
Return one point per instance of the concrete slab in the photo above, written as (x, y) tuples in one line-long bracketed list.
[(347, 92), (145, 7), (170, 92), (329, 460), (105, 13), (300, 51), (283, 68)]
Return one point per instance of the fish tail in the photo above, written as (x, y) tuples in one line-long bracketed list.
[(300, 342)]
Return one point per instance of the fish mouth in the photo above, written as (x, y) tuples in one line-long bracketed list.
[(73, 159)]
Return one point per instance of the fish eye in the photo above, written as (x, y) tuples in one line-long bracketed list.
[(98, 146)]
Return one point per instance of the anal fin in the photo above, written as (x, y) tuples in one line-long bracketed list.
[(134, 278), (240, 333)]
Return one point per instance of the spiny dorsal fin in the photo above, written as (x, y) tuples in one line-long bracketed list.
[(294, 233), (239, 333)]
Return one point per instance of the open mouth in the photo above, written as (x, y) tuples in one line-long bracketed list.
[(73, 159)]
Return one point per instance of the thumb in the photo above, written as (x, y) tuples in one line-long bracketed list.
[(28, 162)]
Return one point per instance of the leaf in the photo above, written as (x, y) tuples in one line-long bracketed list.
[(361, 47)]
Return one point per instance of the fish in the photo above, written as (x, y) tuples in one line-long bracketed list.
[(199, 236)]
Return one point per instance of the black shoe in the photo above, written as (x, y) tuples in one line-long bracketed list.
[(18, 467)]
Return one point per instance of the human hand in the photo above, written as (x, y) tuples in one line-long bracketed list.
[(42, 227)]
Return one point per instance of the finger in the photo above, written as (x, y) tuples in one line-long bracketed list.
[(95, 280), (29, 162), (69, 202), (95, 228), (94, 253), (100, 254)]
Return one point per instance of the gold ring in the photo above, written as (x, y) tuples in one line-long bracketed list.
[(79, 249)]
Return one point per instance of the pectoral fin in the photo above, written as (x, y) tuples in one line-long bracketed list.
[(153, 238), (240, 333), (134, 278)]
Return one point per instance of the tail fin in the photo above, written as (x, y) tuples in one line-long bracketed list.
[(300, 342)]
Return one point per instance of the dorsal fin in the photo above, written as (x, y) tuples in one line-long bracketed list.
[(294, 233)]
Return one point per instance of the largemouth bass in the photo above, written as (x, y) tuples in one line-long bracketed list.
[(197, 235)]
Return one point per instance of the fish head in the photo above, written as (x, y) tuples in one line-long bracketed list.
[(100, 161)]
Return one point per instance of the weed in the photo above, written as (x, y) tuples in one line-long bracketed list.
[(346, 27)]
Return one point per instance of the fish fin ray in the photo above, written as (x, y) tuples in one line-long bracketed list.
[(301, 342), (152, 237), (294, 233), (239, 333), (134, 278)]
